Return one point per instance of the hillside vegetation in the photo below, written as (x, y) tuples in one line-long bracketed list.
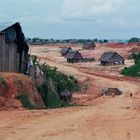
[(134, 70), (57, 88)]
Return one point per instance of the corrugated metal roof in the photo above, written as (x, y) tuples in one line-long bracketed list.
[(5, 25)]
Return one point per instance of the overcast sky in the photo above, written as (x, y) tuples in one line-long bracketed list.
[(111, 19)]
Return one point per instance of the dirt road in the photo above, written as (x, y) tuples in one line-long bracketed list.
[(113, 120), (109, 119)]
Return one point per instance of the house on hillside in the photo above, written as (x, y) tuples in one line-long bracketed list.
[(89, 46), (74, 57), (13, 48), (111, 58), (65, 50)]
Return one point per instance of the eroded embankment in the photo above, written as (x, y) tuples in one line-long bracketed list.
[(14, 86)]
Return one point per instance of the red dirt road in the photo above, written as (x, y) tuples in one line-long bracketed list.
[(106, 119), (113, 120)]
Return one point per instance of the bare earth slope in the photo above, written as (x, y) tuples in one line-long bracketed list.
[(17, 85), (113, 120)]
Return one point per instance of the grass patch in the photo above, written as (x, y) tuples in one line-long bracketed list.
[(25, 101)]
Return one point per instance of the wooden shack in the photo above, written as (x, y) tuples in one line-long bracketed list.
[(111, 58), (89, 46), (13, 49), (74, 57)]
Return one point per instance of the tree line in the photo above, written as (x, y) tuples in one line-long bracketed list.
[(39, 41)]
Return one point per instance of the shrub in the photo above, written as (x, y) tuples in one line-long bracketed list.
[(50, 98), (61, 81), (25, 101), (133, 71)]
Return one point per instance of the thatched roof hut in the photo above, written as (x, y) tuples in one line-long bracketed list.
[(74, 56), (65, 50), (111, 58)]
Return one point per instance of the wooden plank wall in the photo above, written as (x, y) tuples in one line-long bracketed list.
[(8, 56)]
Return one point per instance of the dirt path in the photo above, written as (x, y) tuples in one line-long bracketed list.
[(113, 120)]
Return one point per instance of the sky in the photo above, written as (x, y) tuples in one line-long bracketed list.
[(80, 19)]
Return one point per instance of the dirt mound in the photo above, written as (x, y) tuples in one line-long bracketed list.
[(111, 91), (14, 85)]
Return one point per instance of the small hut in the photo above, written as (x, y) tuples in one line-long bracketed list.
[(111, 58), (65, 50), (13, 48), (74, 57), (89, 46)]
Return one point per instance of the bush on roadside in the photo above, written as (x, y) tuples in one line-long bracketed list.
[(25, 101), (60, 80), (55, 83), (50, 98), (133, 71)]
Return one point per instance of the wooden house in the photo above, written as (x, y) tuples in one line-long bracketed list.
[(74, 57), (13, 49), (89, 46), (65, 50), (111, 58)]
